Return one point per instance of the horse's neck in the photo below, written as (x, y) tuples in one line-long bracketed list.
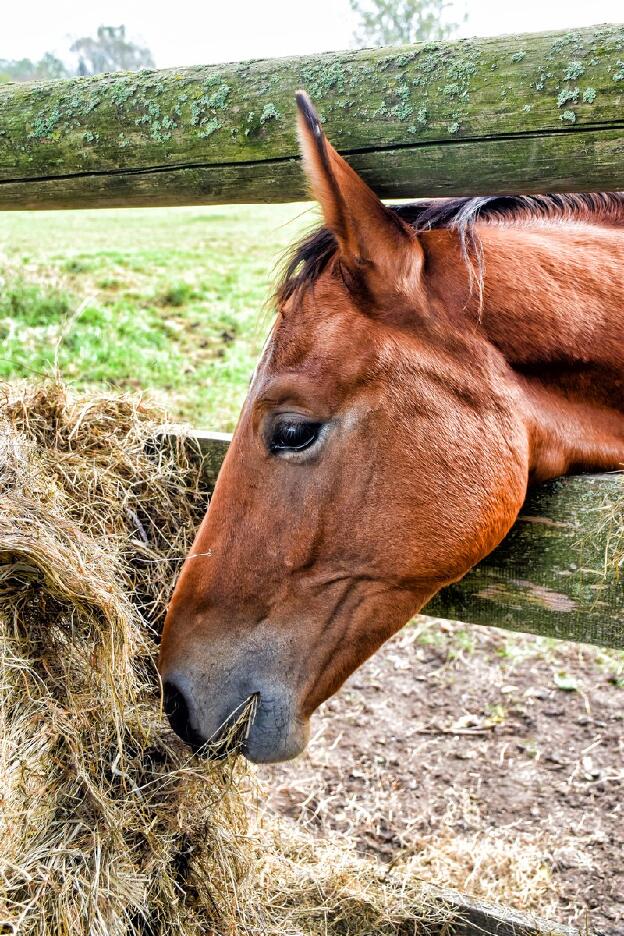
[(553, 304), (554, 297)]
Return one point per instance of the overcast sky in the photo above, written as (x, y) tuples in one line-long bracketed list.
[(226, 30)]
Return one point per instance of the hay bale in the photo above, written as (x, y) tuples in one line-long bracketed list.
[(107, 824)]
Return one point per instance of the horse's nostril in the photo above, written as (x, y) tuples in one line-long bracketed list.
[(177, 711)]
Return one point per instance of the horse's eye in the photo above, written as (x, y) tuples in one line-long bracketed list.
[(293, 435)]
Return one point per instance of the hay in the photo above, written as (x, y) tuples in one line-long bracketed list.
[(608, 529), (319, 887), (107, 824)]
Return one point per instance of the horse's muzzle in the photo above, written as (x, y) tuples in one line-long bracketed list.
[(229, 738), (239, 706)]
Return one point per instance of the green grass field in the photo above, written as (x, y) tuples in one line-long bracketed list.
[(172, 301)]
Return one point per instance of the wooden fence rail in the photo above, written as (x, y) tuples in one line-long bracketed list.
[(556, 574), (527, 113)]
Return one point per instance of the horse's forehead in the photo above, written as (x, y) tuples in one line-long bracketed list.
[(318, 328), (329, 351)]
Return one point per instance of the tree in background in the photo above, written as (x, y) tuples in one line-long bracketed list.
[(110, 51), (47, 68), (399, 22)]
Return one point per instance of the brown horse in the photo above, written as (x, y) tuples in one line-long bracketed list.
[(427, 363)]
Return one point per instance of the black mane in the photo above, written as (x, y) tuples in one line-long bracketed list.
[(311, 255)]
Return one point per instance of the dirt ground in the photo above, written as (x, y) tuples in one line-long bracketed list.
[(490, 762)]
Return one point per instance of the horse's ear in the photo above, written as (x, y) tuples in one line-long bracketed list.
[(372, 239)]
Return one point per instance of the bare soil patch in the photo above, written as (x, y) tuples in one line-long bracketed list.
[(489, 762)]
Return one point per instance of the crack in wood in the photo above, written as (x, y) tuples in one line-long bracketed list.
[(294, 156)]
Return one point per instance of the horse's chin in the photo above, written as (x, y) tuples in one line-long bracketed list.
[(266, 749), (260, 746), (257, 749)]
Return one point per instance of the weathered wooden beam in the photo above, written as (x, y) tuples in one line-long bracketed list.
[(521, 113), (477, 918), (213, 447), (556, 572)]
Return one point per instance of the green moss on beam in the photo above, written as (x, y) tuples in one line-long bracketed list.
[(142, 128)]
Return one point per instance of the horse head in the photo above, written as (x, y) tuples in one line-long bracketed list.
[(378, 456)]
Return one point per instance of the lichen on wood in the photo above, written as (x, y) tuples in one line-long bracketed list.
[(456, 117)]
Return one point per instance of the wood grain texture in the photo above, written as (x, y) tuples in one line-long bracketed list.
[(555, 574), (520, 113), (477, 918)]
